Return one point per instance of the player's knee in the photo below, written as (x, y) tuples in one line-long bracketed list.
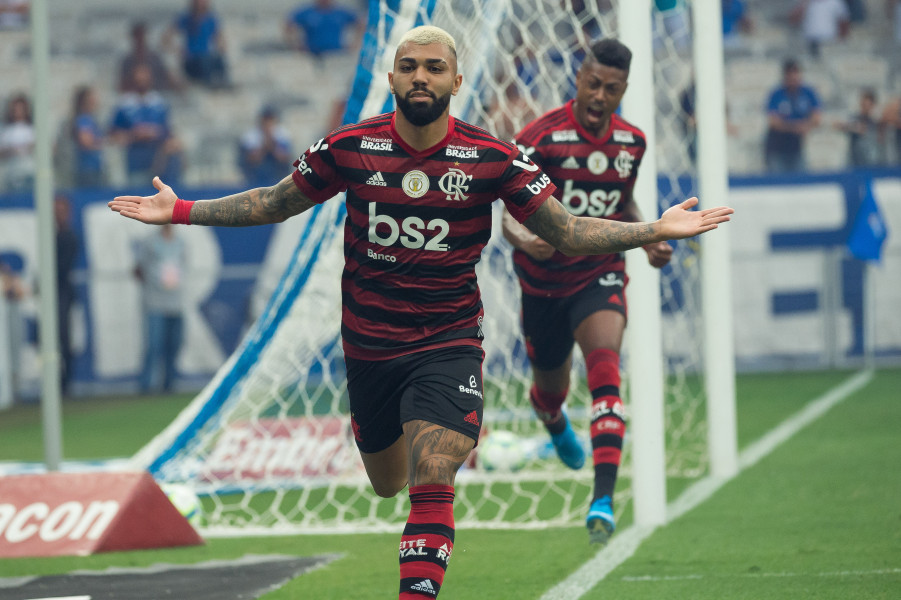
[(435, 470), (387, 488)]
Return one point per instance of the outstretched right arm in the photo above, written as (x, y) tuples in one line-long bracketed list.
[(258, 206)]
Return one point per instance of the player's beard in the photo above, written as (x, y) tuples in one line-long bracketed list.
[(422, 113)]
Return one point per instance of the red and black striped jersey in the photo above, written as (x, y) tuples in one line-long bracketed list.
[(594, 178), (415, 228)]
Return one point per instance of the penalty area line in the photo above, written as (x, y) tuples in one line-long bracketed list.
[(624, 544)]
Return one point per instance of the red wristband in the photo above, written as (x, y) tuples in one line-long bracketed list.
[(181, 212)]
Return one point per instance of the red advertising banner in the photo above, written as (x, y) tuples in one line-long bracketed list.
[(302, 449), (84, 513)]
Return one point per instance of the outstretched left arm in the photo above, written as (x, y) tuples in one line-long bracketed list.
[(576, 236)]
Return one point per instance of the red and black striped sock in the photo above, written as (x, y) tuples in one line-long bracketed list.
[(427, 542), (547, 407), (608, 425)]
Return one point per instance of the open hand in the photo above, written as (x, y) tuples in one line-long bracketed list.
[(681, 222), (156, 209)]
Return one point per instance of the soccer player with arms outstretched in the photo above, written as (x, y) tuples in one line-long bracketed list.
[(592, 156), (419, 187)]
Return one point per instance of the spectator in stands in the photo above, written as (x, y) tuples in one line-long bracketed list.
[(87, 140), (67, 244), (160, 269), (821, 22), (141, 124), (891, 121), (864, 132), (322, 28), (12, 287), (14, 14), (17, 145), (265, 151), (793, 110), (735, 22), (857, 10), (203, 50), (142, 54)]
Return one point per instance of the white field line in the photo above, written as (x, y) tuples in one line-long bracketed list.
[(624, 544), (869, 573), (65, 598)]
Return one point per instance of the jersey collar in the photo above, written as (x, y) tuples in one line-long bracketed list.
[(451, 130)]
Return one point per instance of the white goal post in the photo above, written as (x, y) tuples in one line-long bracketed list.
[(267, 443)]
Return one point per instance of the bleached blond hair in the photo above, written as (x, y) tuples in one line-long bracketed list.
[(429, 34)]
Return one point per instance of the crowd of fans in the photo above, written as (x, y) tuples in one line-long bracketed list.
[(141, 122)]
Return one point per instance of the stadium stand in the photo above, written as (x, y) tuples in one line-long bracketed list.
[(91, 36)]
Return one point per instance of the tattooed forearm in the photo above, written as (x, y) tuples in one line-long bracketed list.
[(435, 453), (584, 235), (253, 207)]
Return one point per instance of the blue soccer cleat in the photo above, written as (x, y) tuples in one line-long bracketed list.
[(600, 521), (568, 446)]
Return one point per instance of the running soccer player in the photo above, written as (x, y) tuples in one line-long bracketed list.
[(592, 156), (419, 187)]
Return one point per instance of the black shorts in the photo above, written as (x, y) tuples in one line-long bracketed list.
[(548, 323), (441, 386)]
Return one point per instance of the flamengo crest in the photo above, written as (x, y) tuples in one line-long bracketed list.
[(623, 163), (454, 183)]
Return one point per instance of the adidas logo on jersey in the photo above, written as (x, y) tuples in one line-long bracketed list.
[(377, 179), (570, 163), (424, 586)]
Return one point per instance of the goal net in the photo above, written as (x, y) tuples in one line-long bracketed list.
[(267, 444)]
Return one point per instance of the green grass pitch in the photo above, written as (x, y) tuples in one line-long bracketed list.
[(817, 518)]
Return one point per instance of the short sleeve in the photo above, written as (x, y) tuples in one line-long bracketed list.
[(316, 172), (524, 186)]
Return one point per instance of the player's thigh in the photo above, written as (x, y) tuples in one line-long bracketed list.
[(598, 313), (441, 412), (435, 452), (547, 332), (602, 329), (374, 391)]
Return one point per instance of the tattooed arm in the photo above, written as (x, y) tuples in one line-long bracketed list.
[(258, 206), (575, 236)]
